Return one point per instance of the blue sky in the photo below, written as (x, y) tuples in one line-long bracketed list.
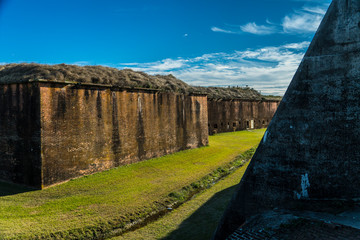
[(258, 43)]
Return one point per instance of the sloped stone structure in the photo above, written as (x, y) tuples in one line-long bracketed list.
[(53, 131), (309, 158)]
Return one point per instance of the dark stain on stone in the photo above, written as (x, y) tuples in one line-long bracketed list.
[(116, 142), (198, 123), (61, 105), (86, 94), (8, 102), (180, 122), (98, 105), (140, 133), (185, 110)]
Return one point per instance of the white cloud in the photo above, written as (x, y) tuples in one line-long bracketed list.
[(268, 69), (258, 29), (169, 64), (297, 46), (305, 20), (316, 10), (216, 29)]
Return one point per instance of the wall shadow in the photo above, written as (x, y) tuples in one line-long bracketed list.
[(7, 189), (203, 222)]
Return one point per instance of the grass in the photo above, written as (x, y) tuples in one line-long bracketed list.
[(89, 206), (196, 219)]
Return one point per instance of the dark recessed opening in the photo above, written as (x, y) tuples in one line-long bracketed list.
[(215, 125)]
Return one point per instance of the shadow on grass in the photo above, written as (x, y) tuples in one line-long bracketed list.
[(7, 189), (202, 223)]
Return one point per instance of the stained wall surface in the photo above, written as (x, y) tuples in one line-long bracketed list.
[(90, 129), (235, 115), (20, 134)]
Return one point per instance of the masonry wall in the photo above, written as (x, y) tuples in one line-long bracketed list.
[(235, 115), (90, 129), (20, 134)]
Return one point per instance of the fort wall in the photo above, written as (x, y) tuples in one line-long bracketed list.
[(87, 129), (52, 131), (235, 115), (61, 131)]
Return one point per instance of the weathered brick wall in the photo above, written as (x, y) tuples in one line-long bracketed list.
[(235, 115), (90, 129), (20, 134)]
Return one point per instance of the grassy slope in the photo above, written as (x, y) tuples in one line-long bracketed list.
[(196, 219), (102, 197)]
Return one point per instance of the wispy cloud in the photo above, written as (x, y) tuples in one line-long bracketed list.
[(252, 28), (258, 29), (268, 69), (216, 29), (167, 64), (306, 20), (159, 66), (301, 21), (316, 10), (297, 46)]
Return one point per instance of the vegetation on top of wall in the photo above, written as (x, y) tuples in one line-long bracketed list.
[(230, 93), (24, 72)]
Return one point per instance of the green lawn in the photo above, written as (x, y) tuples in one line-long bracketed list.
[(104, 200), (196, 219)]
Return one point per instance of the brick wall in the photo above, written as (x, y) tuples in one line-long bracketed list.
[(235, 115), (90, 129)]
